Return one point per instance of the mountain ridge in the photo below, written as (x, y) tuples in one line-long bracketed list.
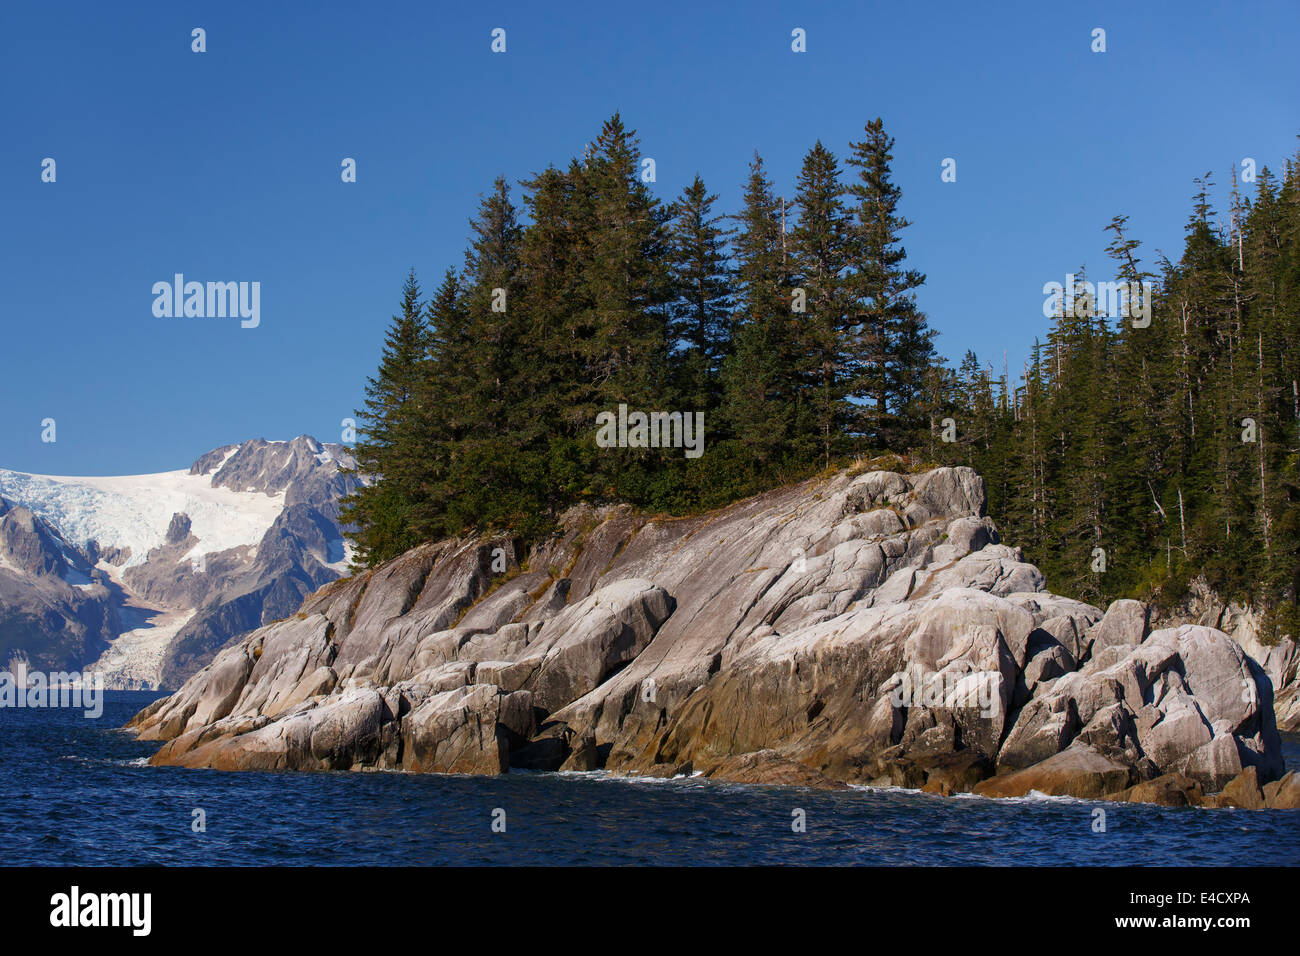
[(185, 560)]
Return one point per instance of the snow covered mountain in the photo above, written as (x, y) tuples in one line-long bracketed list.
[(144, 577)]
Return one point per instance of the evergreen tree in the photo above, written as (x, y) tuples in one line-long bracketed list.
[(892, 344), (440, 418), (625, 285), (700, 331), (819, 244), (559, 403), (377, 517), (496, 478), (763, 401)]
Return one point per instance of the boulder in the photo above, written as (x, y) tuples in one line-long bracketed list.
[(1214, 764), (1242, 791), (466, 730), (587, 641), (1126, 624), (769, 767), (1283, 794), (1167, 790), (951, 773), (1077, 771), (346, 731), (1176, 732)]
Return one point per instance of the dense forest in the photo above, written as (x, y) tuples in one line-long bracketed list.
[(1171, 446), (1131, 455)]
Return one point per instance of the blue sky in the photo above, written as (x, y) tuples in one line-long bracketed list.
[(225, 166)]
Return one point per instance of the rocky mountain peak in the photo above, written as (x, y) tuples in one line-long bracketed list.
[(31, 545), (179, 529), (305, 470), (210, 552), (271, 467)]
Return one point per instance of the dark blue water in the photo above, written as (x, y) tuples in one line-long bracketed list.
[(75, 791)]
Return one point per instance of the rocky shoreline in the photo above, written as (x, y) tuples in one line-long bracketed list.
[(863, 628)]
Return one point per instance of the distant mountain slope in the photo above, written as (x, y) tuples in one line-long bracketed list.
[(145, 577), (55, 609)]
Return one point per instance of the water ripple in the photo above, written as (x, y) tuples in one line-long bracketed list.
[(76, 791)]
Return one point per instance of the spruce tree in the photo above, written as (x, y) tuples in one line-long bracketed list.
[(820, 248), (497, 483), (441, 418), (892, 344), (703, 303), (763, 402), (625, 286), (377, 517)]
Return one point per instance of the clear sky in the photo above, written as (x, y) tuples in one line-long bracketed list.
[(225, 166)]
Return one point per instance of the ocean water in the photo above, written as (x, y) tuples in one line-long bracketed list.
[(77, 791)]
